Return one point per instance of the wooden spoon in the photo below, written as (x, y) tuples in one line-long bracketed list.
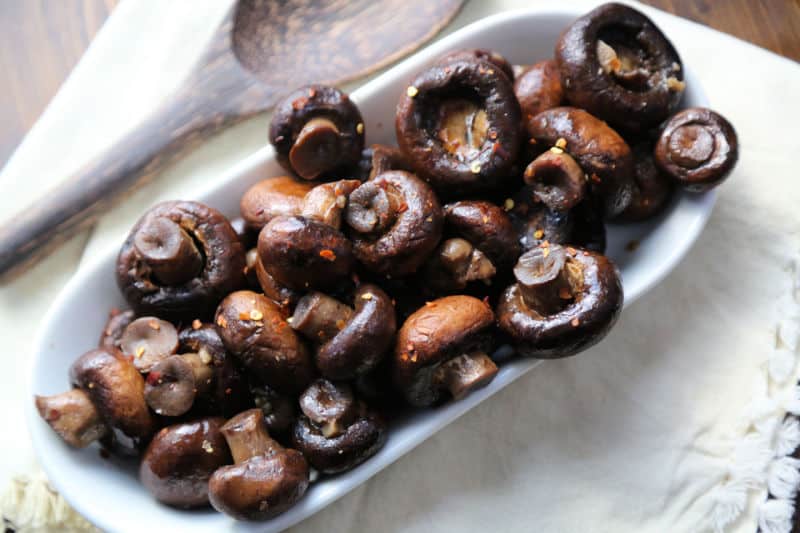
[(261, 50)]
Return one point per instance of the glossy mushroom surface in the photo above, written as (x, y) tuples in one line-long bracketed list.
[(652, 188), (180, 459), (556, 180), (273, 197), (336, 432), (600, 151), (617, 64), (395, 222), (148, 340), (697, 148), (458, 125), (565, 300), (316, 130), (174, 383), (443, 347), (265, 480), (350, 340), (179, 261), (538, 88)]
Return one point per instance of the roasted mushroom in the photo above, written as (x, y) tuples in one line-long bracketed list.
[(538, 88), (481, 54), (173, 383), (556, 180), (443, 346), (616, 64), (326, 202), (179, 261), (116, 389), (302, 253), (395, 222), (652, 188), (273, 197), (265, 480), (336, 432), (316, 130), (279, 409), (73, 416), (698, 148), (254, 330), (458, 125), (112, 331), (380, 158), (148, 340), (180, 459), (349, 342), (565, 300), (278, 293), (603, 155)]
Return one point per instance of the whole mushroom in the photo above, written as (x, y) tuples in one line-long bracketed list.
[(73, 416), (180, 459), (273, 197), (443, 347), (336, 432), (616, 64), (395, 222), (565, 300), (179, 261), (265, 480), (317, 130), (349, 341)]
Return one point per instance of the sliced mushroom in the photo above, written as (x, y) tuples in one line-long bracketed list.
[(168, 240), (349, 342), (336, 432), (73, 416), (112, 331), (265, 480), (180, 459), (148, 340), (281, 196), (565, 300), (254, 330), (173, 383), (326, 202), (317, 130), (395, 222), (443, 347), (698, 149)]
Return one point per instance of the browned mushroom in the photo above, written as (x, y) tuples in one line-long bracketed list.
[(698, 148), (180, 459), (556, 180), (179, 260), (481, 54), (565, 300), (486, 226), (380, 158), (302, 253), (116, 389), (336, 432), (265, 480), (326, 202), (148, 340), (538, 88), (458, 125), (112, 331), (173, 383), (316, 130), (616, 64), (273, 197), (73, 416), (652, 190), (395, 221), (279, 410), (349, 342), (442, 346), (603, 155), (253, 329), (280, 294)]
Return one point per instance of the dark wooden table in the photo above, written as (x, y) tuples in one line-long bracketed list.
[(41, 40)]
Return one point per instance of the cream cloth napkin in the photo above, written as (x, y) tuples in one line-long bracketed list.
[(673, 423)]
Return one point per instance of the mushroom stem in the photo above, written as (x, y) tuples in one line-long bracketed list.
[(543, 279), (373, 208), (173, 383), (320, 317), (316, 149), (556, 179), (326, 202), (168, 250), (465, 262), (463, 127), (73, 416), (466, 373), (330, 407), (247, 436)]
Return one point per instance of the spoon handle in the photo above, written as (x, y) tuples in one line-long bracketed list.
[(180, 124)]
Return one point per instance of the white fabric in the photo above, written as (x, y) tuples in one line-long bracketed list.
[(670, 424)]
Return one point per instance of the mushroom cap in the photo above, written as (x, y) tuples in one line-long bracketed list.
[(435, 333), (539, 88), (599, 150), (116, 389), (653, 189), (170, 388), (597, 302), (273, 197), (180, 459), (222, 272), (115, 326), (302, 253), (261, 487), (149, 340), (589, 86), (254, 329), (365, 338), (481, 54), (485, 225)]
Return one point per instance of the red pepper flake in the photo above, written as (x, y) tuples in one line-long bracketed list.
[(222, 322), (575, 322), (531, 141), (153, 377), (402, 208), (300, 103), (52, 415), (328, 255), (595, 178)]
